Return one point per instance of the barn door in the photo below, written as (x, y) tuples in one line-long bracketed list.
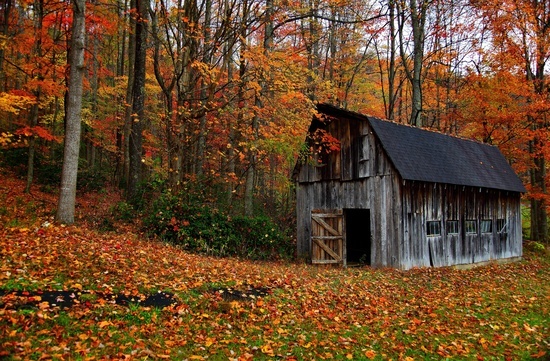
[(327, 236)]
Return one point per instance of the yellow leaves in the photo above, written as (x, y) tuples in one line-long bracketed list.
[(268, 350), (104, 324), (44, 305), (528, 328), (14, 102), (6, 138), (209, 341)]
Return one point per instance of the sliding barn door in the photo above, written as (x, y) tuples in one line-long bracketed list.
[(327, 236)]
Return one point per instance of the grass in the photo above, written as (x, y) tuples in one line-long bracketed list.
[(495, 312)]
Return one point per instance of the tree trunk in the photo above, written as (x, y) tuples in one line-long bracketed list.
[(7, 6), (206, 59), (390, 109), (67, 194), (33, 121), (138, 102), (539, 216), (128, 106), (168, 91), (418, 12)]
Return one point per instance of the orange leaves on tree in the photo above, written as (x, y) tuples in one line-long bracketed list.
[(38, 131)]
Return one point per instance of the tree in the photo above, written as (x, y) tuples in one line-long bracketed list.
[(138, 101), (520, 32), (417, 11), (67, 194)]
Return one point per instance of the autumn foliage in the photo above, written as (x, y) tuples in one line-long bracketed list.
[(229, 88), (226, 308)]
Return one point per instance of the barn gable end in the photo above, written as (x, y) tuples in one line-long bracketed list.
[(405, 197)]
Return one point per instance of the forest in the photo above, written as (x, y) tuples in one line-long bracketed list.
[(128, 123), (208, 101)]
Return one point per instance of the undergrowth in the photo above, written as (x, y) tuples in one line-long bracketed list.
[(208, 230)]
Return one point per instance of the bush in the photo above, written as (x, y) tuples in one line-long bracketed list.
[(123, 211), (91, 179), (202, 229), (536, 247)]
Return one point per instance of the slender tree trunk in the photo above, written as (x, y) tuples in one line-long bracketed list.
[(231, 133), (418, 11), (539, 78), (67, 194), (7, 6), (121, 134), (392, 95), (201, 146), (33, 121), (129, 99), (167, 90), (312, 45), (138, 101)]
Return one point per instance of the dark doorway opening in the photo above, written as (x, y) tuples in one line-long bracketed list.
[(358, 240)]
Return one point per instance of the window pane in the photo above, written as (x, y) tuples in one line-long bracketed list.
[(452, 227), (434, 228), (501, 226), (470, 226), (486, 226)]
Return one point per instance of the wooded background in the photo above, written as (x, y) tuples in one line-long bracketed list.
[(213, 98)]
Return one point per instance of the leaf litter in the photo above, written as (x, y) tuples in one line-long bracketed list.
[(242, 310)]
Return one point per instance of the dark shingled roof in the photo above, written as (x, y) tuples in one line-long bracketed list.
[(427, 156)]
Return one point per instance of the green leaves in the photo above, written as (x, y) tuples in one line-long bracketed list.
[(210, 231)]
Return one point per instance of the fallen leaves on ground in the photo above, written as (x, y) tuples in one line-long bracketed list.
[(241, 310)]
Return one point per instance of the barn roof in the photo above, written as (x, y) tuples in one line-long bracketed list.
[(422, 155)]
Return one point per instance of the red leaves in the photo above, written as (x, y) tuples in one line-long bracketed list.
[(38, 131), (307, 313)]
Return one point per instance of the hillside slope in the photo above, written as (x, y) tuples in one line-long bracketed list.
[(242, 310)]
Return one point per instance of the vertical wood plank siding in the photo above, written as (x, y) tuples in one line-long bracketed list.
[(361, 176), (443, 203)]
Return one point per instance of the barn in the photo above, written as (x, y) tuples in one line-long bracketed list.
[(384, 194)]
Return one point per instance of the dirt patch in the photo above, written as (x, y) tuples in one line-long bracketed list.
[(65, 299)]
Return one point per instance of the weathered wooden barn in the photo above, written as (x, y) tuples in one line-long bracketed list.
[(390, 195)]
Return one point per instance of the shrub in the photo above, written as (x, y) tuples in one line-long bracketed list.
[(536, 247), (92, 179), (123, 211), (203, 229)]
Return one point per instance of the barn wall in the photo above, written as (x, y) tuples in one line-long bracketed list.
[(376, 193), (366, 180), (425, 202)]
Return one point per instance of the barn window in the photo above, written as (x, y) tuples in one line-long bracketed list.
[(434, 228), (470, 227), (486, 226), (452, 227), (502, 226)]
